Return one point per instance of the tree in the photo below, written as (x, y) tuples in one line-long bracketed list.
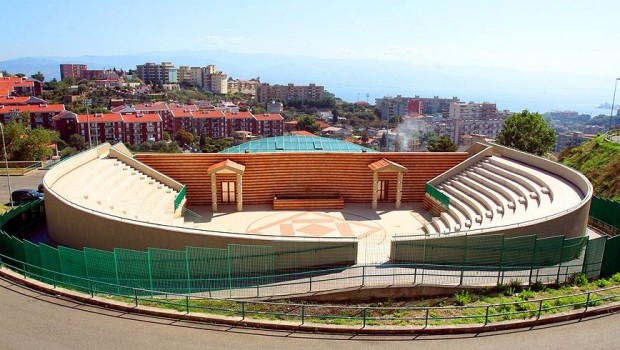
[(76, 141), (441, 144), (39, 76), (527, 132), (184, 138), (25, 144), (166, 136), (309, 124), (203, 141)]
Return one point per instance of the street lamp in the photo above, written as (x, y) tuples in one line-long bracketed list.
[(6, 163), (613, 102)]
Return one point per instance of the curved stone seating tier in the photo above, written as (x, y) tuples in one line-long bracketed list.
[(532, 189), (527, 172), (497, 191)]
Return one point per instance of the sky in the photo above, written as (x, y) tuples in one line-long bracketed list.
[(521, 34), (580, 37)]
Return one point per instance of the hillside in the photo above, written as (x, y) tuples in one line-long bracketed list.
[(599, 160)]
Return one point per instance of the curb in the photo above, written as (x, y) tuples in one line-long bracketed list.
[(306, 328)]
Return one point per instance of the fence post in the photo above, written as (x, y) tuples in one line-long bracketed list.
[(426, 319), (486, 316), (557, 278), (243, 310), (135, 296), (587, 302), (303, 314), (364, 317), (310, 283), (187, 303), (363, 275), (539, 309)]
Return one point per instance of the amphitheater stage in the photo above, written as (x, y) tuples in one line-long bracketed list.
[(373, 228)]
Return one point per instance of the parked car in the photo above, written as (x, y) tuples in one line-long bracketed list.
[(25, 195)]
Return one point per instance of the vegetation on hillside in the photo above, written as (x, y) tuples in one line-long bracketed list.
[(599, 161), (528, 132)]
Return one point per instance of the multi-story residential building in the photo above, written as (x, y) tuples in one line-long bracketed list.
[(275, 107), (21, 100), (100, 127), (489, 128), (269, 125), (40, 116), (401, 106), (179, 118), (196, 76), (471, 110), (139, 128), (246, 87), (214, 80), (77, 71), (212, 124), (152, 73), (16, 86), (266, 92), (241, 121)]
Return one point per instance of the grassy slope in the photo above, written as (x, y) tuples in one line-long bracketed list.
[(599, 160)]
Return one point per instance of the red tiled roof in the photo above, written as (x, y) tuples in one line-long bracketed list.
[(208, 114), (238, 115), (141, 118), (44, 108), (268, 117), (7, 100), (99, 118), (302, 133), (156, 106)]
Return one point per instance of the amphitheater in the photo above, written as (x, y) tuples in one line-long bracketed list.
[(282, 211)]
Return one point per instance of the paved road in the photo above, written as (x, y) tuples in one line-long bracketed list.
[(30, 180), (30, 320)]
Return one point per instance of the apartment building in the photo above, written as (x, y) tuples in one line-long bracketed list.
[(77, 71), (401, 106), (269, 124), (214, 80), (40, 115), (471, 110), (139, 128), (240, 121), (246, 87), (152, 73), (266, 92), (212, 124)]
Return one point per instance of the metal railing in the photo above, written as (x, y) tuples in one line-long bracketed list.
[(363, 316), (179, 198), (439, 196)]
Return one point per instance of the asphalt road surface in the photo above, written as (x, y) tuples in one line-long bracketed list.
[(31, 320), (30, 180)]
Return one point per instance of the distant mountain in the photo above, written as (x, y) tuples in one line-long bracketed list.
[(352, 79)]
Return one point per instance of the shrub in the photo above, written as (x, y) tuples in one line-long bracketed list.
[(602, 283), (462, 298), (526, 294), (516, 285), (538, 286), (578, 279), (616, 277)]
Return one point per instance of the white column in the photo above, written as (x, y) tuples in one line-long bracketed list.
[(239, 192), (375, 188), (213, 192), (399, 189)]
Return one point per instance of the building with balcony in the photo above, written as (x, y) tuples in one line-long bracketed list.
[(312, 92)]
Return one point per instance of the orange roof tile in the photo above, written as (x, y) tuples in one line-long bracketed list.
[(99, 118), (302, 133), (268, 116), (208, 114), (42, 108), (239, 115), (141, 118)]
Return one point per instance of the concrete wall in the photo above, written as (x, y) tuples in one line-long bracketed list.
[(75, 226)]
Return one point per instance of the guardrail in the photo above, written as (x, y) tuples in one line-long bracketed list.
[(323, 314), (179, 198), (20, 168), (439, 196)]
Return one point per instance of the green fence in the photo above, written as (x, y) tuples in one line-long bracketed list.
[(435, 193), (179, 198), (606, 210), (261, 270), (490, 250)]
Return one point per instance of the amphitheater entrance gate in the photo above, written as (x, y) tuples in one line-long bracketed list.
[(379, 187), (231, 190)]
